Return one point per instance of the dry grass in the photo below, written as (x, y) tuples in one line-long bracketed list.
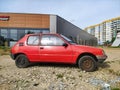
[(4, 50)]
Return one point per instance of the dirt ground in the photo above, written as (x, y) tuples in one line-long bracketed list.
[(60, 77)]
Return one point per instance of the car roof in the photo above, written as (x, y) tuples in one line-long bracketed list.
[(43, 34)]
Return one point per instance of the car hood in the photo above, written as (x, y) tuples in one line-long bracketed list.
[(89, 49)]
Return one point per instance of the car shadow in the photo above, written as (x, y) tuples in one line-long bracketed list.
[(104, 65), (64, 65), (60, 65)]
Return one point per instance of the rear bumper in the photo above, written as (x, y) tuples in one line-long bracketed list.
[(101, 58)]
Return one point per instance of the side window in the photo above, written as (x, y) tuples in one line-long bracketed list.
[(33, 40), (51, 40)]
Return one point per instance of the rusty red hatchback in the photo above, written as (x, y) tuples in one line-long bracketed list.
[(55, 48)]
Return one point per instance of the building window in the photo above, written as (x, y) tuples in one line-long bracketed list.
[(4, 33), (21, 33), (45, 31), (13, 34), (37, 31), (29, 31)]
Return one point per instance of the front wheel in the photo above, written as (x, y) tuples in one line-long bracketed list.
[(22, 61), (87, 63)]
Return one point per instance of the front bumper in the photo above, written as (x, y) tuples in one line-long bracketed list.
[(101, 58)]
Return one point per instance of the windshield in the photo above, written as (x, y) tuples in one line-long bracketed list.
[(67, 39)]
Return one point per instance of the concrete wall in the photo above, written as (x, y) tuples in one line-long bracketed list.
[(53, 23), (68, 29)]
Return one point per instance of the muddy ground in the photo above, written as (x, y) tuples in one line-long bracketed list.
[(60, 76)]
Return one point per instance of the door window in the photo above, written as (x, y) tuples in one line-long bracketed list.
[(51, 40), (13, 34)]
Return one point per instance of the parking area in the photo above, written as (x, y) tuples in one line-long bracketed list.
[(59, 77)]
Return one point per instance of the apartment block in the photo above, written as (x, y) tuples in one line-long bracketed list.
[(105, 30)]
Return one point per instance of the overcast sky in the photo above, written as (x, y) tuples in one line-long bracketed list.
[(82, 13)]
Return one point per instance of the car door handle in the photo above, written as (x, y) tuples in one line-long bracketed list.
[(41, 47)]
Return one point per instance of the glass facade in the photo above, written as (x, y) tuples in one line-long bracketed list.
[(21, 33), (4, 33), (14, 34)]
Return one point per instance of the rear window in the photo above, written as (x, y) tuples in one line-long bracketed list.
[(33, 40)]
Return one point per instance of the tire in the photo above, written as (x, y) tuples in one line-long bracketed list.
[(22, 61), (87, 63)]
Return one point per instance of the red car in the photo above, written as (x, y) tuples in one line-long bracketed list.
[(55, 48)]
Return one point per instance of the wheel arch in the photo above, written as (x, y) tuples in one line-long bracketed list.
[(15, 55), (84, 54)]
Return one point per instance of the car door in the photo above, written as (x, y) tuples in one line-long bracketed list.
[(32, 47), (52, 49)]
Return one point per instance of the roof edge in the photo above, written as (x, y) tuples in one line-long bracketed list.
[(26, 13)]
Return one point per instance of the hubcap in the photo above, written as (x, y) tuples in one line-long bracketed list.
[(87, 64), (21, 61)]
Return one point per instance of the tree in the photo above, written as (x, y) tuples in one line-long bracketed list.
[(113, 39), (29, 32), (2, 40)]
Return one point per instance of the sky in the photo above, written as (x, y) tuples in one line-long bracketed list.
[(82, 13)]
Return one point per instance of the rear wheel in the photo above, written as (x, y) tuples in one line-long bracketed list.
[(22, 61), (87, 63)]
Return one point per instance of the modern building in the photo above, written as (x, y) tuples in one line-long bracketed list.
[(14, 26), (105, 31)]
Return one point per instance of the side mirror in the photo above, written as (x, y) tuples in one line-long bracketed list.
[(65, 44)]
